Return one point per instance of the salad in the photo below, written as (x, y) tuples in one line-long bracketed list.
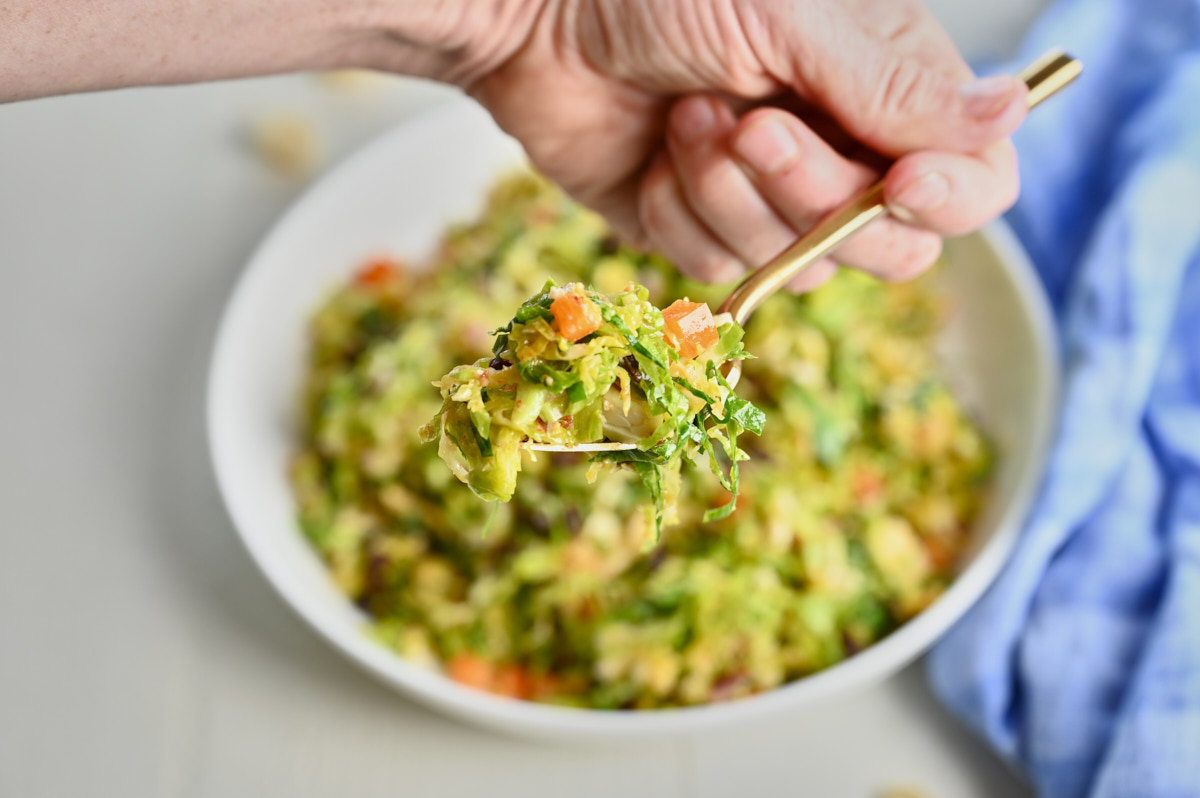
[(576, 366), (854, 505)]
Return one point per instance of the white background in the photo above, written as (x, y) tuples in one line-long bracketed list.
[(141, 654)]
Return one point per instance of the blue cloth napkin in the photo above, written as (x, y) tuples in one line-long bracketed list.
[(1082, 663)]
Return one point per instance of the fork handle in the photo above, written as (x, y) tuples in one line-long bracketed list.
[(1044, 77)]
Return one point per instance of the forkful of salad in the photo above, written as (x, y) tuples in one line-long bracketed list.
[(611, 375), (576, 370)]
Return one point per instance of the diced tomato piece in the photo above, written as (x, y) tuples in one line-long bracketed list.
[(941, 555), (690, 327), (472, 671), (866, 484), (543, 685), (587, 608), (378, 272), (476, 672), (512, 681), (575, 316)]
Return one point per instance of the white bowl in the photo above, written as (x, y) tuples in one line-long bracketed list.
[(396, 196)]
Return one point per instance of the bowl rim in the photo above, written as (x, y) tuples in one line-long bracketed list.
[(539, 720)]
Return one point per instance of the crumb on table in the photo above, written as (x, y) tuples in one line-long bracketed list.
[(905, 791), (288, 142), (352, 80)]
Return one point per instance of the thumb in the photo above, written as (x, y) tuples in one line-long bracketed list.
[(895, 102)]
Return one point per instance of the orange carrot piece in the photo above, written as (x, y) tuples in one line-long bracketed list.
[(512, 681), (378, 273), (690, 328), (543, 685), (575, 316), (941, 555), (472, 671)]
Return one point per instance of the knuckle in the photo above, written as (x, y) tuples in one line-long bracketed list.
[(814, 277), (709, 187), (921, 251), (1007, 196), (906, 89), (1011, 192), (905, 85), (715, 266), (654, 197), (1008, 184)]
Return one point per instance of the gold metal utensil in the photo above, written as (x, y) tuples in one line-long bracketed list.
[(1044, 77)]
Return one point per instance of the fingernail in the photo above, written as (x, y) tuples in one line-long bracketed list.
[(926, 193), (986, 97), (692, 119), (768, 148)]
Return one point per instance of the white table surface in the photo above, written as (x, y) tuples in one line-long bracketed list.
[(141, 653)]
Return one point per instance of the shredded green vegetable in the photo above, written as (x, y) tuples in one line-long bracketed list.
[(620, 380), (853, 507)]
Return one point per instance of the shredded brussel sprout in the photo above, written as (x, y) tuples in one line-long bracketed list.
[(577, 366)]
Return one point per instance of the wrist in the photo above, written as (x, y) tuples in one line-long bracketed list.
[(453, 41)]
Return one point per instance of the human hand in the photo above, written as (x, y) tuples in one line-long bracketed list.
[(713, 130), (717, 131)]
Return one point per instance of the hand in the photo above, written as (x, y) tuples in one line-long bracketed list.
[(713, 130), (716, 131)]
